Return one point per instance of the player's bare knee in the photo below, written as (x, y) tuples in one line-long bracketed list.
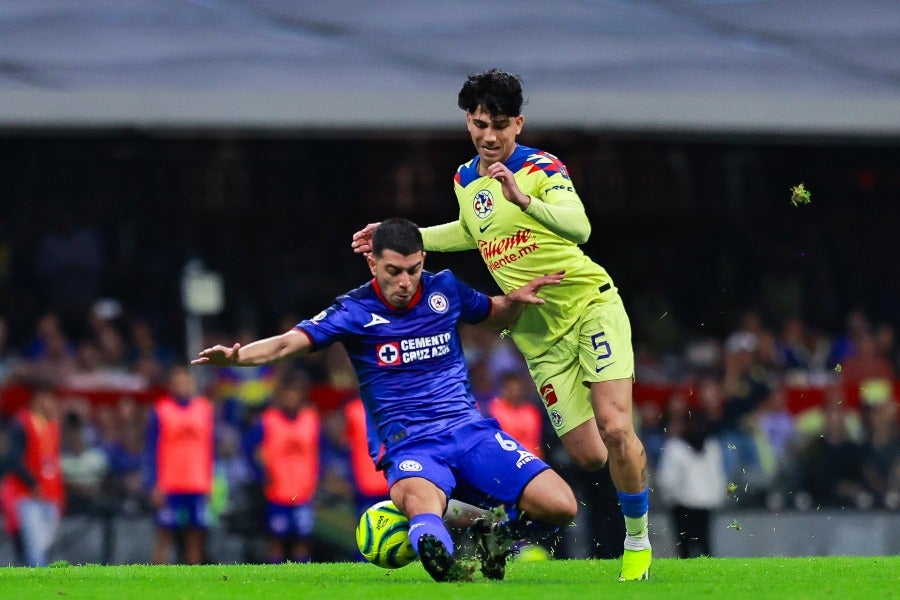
[(590, 461), (557, 508), (565, 507), (616, 437)]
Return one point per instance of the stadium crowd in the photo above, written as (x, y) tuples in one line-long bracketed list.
[(800, 419)]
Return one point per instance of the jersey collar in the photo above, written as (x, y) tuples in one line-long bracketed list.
[(412, 302)]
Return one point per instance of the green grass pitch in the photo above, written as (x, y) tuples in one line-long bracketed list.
[(731, 578)]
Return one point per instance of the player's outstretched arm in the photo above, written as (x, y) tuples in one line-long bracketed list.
[(506, 309), (362, 239), (280, 347)]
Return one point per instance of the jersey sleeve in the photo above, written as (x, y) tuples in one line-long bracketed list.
[(329, 326), (448, 237), (474, 306), (559, 208)]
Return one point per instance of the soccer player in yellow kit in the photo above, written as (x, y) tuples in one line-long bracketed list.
[(519, 209)]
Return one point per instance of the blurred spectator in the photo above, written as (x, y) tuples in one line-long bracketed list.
[(881, 452), (92, 372), (691, 477), (741, 453), (178, 466), (844, 344), (232, 477), (744, 380), (144, 349), (832, 465), (84, 469), (744, 387), (54, 362), (777, 424), (284, 446), (123, 441), (651, 431), (47, 327), (31, 492), (792, 346), (517, 412), (865, 361), (811, 422)]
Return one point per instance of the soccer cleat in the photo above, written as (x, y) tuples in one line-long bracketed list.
[(439, 563), (636, 565), (493, 546)]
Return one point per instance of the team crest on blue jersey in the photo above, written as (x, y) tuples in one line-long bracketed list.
[(319, 317), (483, 204), (438, 302), (388, 354), (410, 465)]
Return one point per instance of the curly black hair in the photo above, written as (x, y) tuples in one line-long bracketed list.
[(497, 92)]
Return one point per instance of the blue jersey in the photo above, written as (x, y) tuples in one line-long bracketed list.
[(409, 362)]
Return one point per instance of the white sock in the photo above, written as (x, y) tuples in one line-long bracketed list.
[(637, 533)]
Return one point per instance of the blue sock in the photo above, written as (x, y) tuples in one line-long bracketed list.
[(635, 508), (635, 505), (429, 523)]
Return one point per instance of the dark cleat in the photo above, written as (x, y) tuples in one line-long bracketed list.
[(493, 547), (439, 563)]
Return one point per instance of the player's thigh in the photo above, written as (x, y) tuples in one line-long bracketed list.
[(605, 351), (557, 376), (585, 446), (549, 498), (495, 466), (607, 361), (419, 478), (417, 495), (612, 401)]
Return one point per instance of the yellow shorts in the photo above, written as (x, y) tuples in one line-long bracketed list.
[(597, 348)]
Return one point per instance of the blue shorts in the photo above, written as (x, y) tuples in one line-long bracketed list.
[(184, 510), (285, 521), (476, 462)]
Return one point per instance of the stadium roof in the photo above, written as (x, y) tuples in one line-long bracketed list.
[(776, 66)]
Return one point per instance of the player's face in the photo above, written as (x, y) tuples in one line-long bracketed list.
[(494, 136), (397, 275)]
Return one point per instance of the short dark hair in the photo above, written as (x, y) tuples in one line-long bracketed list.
[(400, 235), (497, 92)]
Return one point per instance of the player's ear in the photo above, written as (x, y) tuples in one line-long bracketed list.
[(370, 258), (520, 122)]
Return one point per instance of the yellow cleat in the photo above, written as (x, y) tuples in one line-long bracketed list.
[(636, 565)]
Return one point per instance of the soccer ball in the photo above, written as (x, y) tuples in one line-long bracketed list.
[(383, 536)]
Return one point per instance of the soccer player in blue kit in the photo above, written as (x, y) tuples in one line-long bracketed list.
[(400, 331)]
